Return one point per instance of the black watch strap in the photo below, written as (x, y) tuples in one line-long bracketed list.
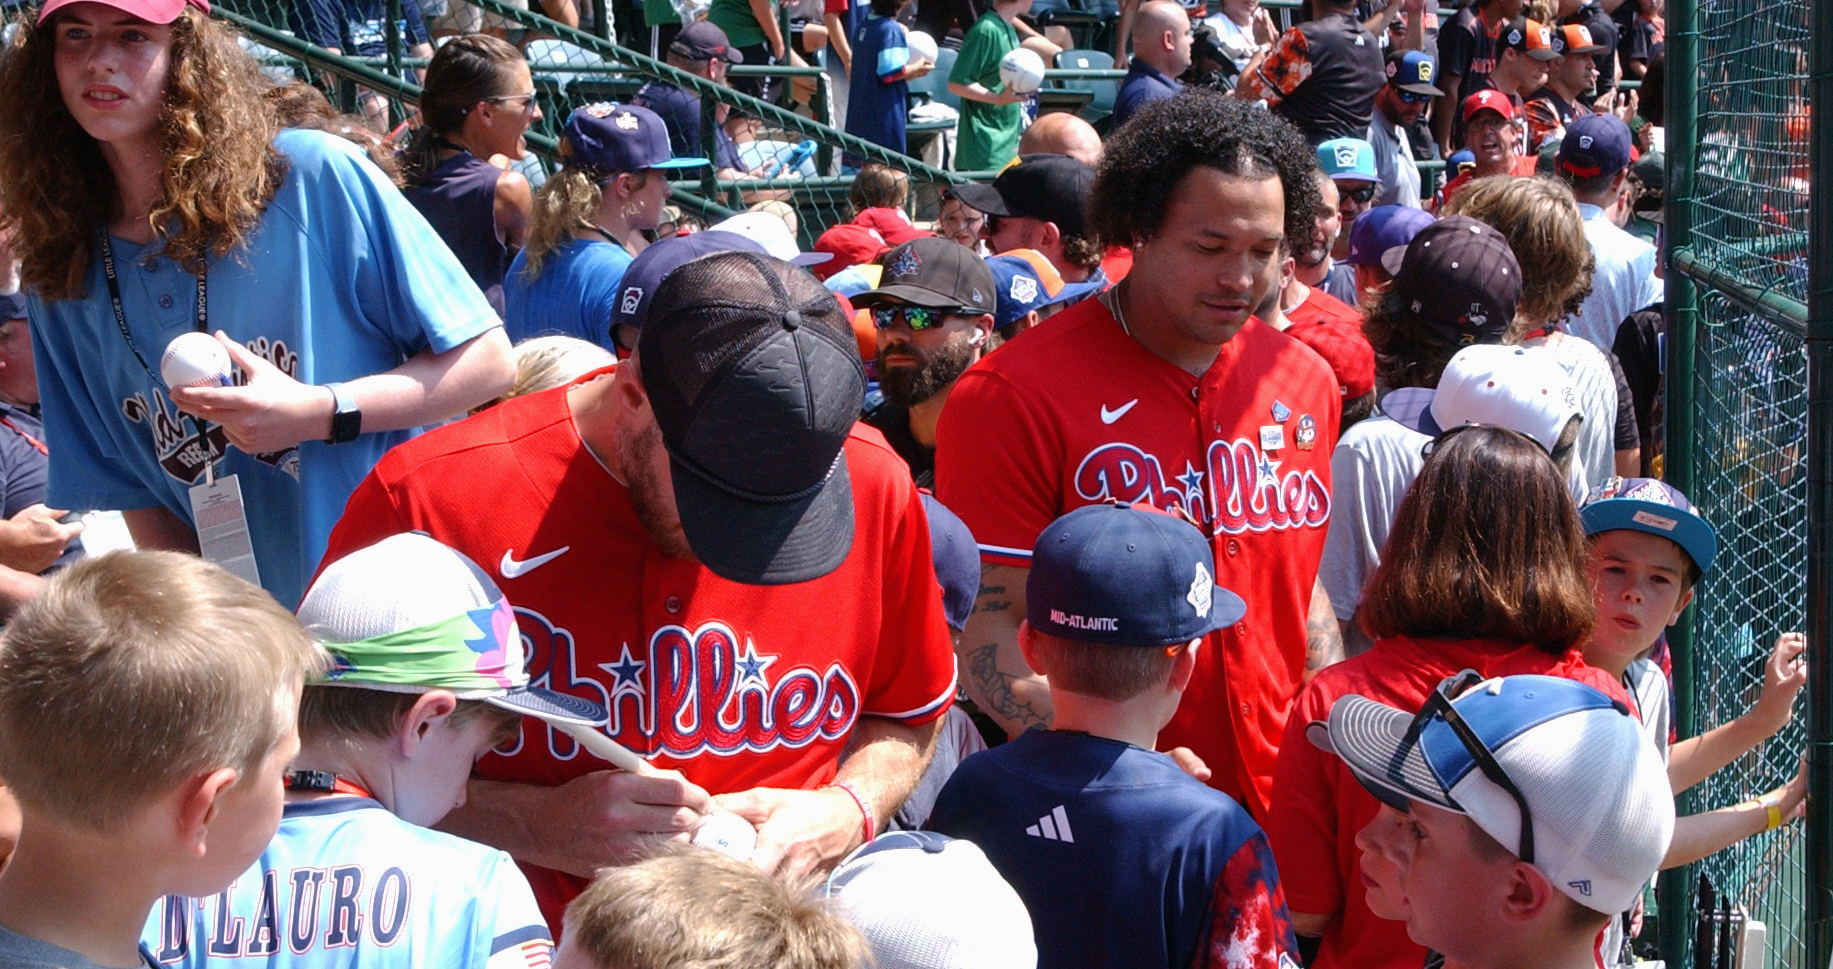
[(346, 417)]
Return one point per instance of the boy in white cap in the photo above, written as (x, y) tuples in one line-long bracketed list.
[(428, 674), (1497, 836)]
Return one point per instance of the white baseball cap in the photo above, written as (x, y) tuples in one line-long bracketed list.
[(1595, 789), (1522, 389), (771, 232), (928, 901)]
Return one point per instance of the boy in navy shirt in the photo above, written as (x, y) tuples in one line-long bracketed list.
[(879, 86), (1121, 857)]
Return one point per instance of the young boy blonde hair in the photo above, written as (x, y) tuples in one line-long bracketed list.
[(692, 908), (142, 669)]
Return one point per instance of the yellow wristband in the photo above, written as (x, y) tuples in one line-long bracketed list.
[(1775, 816)]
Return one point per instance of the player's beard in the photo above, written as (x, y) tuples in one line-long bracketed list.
[(650, 493), (908, 386), (1316, 250)]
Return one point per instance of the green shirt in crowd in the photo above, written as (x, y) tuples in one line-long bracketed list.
[(736, 19), (987, 137), (659, 12)]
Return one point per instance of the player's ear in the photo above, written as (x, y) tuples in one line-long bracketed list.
[(1530, 897), (1184, 665), (1049, 235), (430, 709), (1686, 599), (197, 800)]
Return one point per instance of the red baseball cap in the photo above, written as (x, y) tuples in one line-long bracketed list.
[(851, 245), (1346, 349), (151, 11), (1489, 100)]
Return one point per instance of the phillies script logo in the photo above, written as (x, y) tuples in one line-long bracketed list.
[(698, 690), (1245, 490)]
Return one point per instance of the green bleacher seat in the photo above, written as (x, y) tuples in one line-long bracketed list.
[(1101, 93)]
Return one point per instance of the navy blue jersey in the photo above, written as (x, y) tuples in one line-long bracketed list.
[(876, 91), (680, 112), (357, 27), (1121, 858)]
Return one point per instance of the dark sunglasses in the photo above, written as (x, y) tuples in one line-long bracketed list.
[(1438, 707), (1408, 97), (1365, 194), (915, 317)]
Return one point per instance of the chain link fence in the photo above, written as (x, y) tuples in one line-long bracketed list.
[(1738, 157)]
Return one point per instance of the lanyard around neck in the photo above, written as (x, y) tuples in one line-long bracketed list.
[(114, 297)]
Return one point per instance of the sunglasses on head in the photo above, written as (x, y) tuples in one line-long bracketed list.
[(915, 317), (1438, 707)]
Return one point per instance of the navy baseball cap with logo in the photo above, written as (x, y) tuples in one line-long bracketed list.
[(1459, 278), (1115, 574), (702, 40), (935, 272), (1597, 144), (1655, 507), (754, 377), (957, 561), (1412, 71), (643, 276), (610, 138), (1049, 188)]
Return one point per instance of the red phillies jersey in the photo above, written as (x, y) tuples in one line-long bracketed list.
[(1319, 806), (1321, 307), (1077, 412), (737, 686)]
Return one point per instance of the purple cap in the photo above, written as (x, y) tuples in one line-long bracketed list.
[(1382, 228), (611, 138), (1597, 144)]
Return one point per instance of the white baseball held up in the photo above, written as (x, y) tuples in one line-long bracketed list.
[(195, 360)]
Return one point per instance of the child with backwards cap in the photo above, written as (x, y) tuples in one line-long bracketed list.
[(147, 704), (1120, 857), (1648, 548), (428, 675), (1496, 843)]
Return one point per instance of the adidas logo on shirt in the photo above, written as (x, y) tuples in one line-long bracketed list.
[(1052, 827)]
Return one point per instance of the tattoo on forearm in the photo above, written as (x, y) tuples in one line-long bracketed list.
[(1323, 640), (995, 687), (993, 599)]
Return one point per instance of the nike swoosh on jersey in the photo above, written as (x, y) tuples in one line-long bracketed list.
[(512, 569), (1110, 416)]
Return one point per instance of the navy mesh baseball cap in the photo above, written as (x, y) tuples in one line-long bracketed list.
[(1597, 144), (754, 377), (1459, 278), (1114, 574), (652, 265), (609, 138)]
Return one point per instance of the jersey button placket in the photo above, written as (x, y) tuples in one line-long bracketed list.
[(672, 605)]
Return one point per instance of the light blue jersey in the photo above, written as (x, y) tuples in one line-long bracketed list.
[(574, 295), (347, 885), (341, 279)]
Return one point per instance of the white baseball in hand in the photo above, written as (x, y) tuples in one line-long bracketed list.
[(195, 360), (726, 832), (1022, 70)]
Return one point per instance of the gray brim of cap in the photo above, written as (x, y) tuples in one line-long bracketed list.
[(551, 707), (1369, 737), (1411, 408), (914, 295), (811, 258), (982, 197), (767, 543), (1392, 257)]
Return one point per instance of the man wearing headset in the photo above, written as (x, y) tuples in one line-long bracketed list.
[(933, 311)]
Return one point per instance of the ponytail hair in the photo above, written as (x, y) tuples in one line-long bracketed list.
[(464, 71)]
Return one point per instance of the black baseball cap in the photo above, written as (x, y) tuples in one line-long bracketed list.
[(1051, 188), (1459, 278), (754, 377), (702, 40), (934, 272), (1115, 574), (652, 265), (957, 560), (1530, 37)]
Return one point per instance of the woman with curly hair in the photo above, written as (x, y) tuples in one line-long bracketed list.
[(478, 101), (151, 194)]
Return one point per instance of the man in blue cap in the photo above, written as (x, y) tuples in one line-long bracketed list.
[(1398, 107), (1120, 857), (1594, 159), (1350, 163), (1028, 290), (565, 281)]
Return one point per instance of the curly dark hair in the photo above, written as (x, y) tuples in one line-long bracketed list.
[(1146, 160)]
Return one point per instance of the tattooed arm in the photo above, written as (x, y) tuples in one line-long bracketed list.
[(1323, 640), (997, 677)]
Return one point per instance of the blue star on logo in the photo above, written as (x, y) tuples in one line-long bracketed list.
[(627, 673), (751, 666), (1269, 472), (1191, 480)]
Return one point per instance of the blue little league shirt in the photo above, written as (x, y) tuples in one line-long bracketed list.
[(347, 885), (574, 295), (876, 104), (340, 279), (1121, 858)]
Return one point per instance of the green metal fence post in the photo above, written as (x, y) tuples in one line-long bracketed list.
[(1820, 496), (1674, 889)]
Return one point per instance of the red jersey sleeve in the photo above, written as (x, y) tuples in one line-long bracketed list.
[(835, 6), (998, 465), (369, 516), (1301, 823), (1248, 926), (913, 672)]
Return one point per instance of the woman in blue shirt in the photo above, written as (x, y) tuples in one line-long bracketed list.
[(151, 194)]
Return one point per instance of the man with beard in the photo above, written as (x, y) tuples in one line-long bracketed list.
[(1397, 109), (704, 542), (1350, 163), (1311, 292), (933, 311)]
